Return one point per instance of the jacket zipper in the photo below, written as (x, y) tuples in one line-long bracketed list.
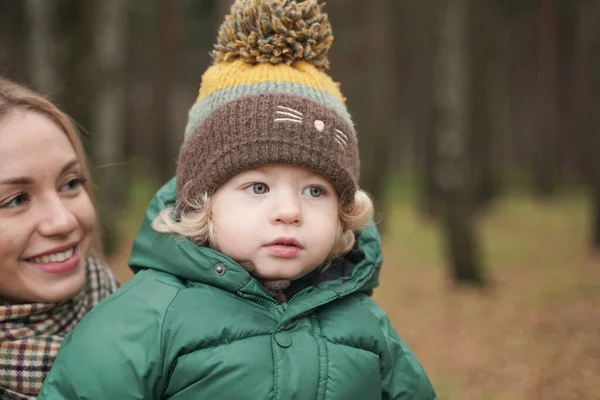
[(300, 293), (273, 306)]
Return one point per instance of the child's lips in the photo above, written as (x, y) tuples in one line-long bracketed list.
[(284, 247), (283, 250), (285, 241)]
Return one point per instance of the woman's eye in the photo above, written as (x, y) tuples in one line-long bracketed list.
[(73, 184), (314, 191), (258, 188), (16, 201)]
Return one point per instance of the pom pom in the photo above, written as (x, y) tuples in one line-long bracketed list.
[(275, 31)]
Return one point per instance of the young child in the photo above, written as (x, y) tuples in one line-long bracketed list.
[(253, 268)]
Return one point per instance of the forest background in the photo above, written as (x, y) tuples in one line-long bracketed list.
[(478, 124)]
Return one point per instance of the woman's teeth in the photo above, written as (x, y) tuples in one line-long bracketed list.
[(56, 257)]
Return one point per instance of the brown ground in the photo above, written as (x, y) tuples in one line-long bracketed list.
[(533, 334)]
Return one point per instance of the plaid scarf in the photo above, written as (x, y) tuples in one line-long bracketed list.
[(31, 334)]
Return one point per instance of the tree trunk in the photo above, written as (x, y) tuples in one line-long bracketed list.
[(78, 66), (108, 121), (480, 135), (523, 87), (461, 241), (375, 152), (167, 44), (587, 65), (545, 155), (12, 54), (596, 217), (566, 83), (590, 15), (42, 41), (452, 168), (501, 118), (420, 103), (139, 69)]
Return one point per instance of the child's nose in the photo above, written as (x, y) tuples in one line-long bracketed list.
[(287, 209)]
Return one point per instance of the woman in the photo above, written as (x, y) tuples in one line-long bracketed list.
[(50, 275)]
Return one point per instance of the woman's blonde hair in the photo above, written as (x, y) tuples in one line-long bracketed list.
[(14, 97), (196, 224)]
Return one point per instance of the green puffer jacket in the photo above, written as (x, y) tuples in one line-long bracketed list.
[(193, 324)]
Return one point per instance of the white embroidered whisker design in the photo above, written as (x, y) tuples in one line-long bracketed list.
[(296, 112), (342, 144), (288, 119), (341, 138), (288, 114), (342, 134)]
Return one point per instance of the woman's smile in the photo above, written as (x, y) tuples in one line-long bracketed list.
[(57, 260), (47, 218)]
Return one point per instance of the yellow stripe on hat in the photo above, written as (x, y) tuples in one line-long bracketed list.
[(222, 75)]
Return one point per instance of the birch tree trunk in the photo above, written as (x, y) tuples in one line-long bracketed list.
[(108, 119), (453, 101)]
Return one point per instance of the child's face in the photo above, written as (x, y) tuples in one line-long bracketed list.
[(282, 218)]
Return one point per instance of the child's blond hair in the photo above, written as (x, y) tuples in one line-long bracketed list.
[(196, 223)]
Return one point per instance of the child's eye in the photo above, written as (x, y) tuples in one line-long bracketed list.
[(73, 184), (314, 191), (16, 201), (258, 188)]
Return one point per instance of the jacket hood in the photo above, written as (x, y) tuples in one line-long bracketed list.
[(175, 255)]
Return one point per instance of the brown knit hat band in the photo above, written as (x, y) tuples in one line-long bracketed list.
[(257, 130)]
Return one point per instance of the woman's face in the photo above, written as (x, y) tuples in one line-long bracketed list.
[(46, 216)]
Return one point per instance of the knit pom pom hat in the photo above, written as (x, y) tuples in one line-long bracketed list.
[(267, 100)]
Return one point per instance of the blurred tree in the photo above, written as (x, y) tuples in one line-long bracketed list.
[(522, 72), (418, 94), (108, 120), (377, 85), (479, 137), (41, 46), (545, 151), (361, 59), (500, 24), (140, 32), (167, 63), (13, 33), (453, 98), (567, 145), (482, 74), (588, 97), (77, 63)]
